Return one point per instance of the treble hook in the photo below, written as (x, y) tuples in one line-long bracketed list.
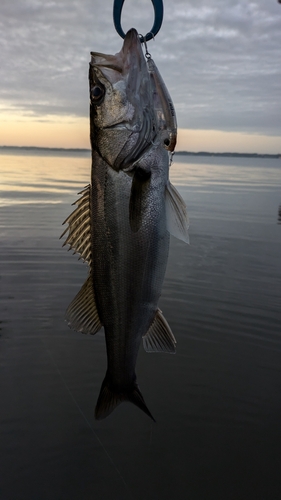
[(158, 18)]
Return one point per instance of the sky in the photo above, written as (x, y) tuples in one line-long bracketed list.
[(220, 59)]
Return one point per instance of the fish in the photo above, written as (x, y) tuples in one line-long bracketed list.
[(123, 220)]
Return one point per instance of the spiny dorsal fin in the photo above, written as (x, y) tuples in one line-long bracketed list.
[(159, 337), (79, 226), (82, 315), (176, 213)]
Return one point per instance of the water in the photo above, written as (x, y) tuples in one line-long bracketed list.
[(217, 402)]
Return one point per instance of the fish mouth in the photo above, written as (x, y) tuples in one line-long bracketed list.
[(139, 94), (132, 44), (122, 62)]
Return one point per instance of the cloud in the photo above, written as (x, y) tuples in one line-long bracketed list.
[(220, 60)]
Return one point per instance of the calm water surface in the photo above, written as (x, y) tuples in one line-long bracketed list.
[(217, 402)]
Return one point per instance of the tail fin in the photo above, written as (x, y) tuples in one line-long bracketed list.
[(109, 399)]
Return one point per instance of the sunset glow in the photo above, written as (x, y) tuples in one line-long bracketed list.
[(72, 132), (52, 131)]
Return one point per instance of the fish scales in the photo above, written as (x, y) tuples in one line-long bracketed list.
[(133, 209), (128, 262)]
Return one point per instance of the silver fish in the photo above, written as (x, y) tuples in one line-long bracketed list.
[(123, 219)]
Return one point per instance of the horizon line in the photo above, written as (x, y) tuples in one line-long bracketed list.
[(188, 153)]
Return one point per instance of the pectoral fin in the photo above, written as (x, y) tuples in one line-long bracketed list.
[(82, 314), (176, 213), (139, 188), (159, 337)]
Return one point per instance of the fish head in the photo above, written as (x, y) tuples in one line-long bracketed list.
[(121, 104)]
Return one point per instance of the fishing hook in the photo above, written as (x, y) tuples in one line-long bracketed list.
[(158, 18)]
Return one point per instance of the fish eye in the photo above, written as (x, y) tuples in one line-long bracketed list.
[(97, 93)]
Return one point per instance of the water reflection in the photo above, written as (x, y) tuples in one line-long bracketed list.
[(217, 402), (38, 179)]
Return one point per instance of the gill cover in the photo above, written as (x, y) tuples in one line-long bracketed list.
[(122, 113)]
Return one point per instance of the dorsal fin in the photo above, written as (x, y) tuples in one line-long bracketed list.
[(82, 314), (79, 226), (159, 337), (176, 213)]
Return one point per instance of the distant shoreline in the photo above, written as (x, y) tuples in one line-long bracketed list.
[(35, 148), (232, 155), (177, 153)]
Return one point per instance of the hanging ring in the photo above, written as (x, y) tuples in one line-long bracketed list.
[(158, 18)]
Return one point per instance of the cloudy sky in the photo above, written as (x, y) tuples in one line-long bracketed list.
[(220, 59)]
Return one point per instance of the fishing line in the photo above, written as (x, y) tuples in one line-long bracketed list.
[(88, 423), (150, 435)]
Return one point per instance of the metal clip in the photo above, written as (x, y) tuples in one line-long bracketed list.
[(143, 40), (158, 18)]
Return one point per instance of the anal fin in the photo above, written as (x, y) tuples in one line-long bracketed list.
[(159, 337), (82, 315)]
